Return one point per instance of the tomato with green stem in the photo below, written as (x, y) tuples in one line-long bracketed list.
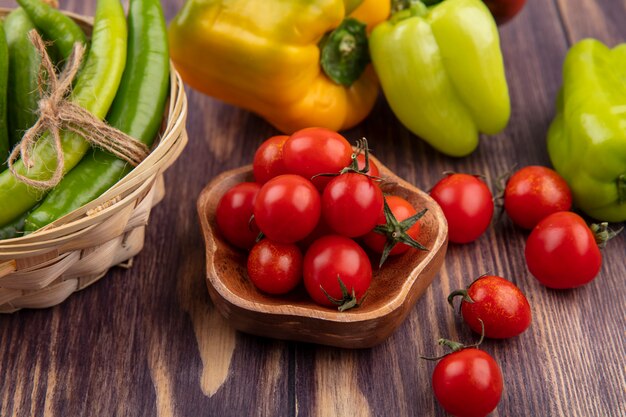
[(352, 200), (351, 203), (397, 229), (468, 381), (562, 252), (494, 305), (337, 272)]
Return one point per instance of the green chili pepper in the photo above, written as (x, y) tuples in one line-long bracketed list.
[(4, 78), (14, 228), (137, 110), (94, 90), (442, 72), (23, 68), (587, 138), (54, 25)]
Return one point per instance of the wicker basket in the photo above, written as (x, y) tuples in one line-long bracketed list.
[(44, 268)]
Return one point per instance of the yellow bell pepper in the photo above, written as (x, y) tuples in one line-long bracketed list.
[(266, 56)]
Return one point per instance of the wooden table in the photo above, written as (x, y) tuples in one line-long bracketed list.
[(148, 342)]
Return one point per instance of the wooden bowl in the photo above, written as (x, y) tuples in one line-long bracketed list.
[(394, 290)]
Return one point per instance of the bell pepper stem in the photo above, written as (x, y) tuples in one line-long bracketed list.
[(344, 52), (404, 9)]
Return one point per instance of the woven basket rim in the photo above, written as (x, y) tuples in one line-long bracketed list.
[(169, 144)]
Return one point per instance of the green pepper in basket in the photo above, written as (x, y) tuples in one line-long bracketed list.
[(587, 138), (94, 90), (23, 68), (442, 72), (55, 25), (137, 110)]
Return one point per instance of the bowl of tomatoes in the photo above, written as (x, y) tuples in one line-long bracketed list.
[(337, 287)]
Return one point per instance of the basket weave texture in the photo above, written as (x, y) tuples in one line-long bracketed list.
[(42, 269)]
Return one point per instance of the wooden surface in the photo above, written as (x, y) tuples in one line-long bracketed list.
[(148, 342)]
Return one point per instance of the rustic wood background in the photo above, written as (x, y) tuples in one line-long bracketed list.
[(148, 342)]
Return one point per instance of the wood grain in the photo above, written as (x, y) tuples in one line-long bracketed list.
[(147, 341)]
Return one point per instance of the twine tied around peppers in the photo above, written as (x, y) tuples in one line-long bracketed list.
[(57, 113)]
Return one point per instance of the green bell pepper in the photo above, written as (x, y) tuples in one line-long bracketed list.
[(442, 72), (587, 138)]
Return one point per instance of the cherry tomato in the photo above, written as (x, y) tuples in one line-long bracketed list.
[(275, 268), (467, 204), (316, 150), (504, 10), (533, 193), (561, 251), (468, 383), (401, 210), (351, 204), (330, 259), (268, 159), (287, 208), (373, 168), (502, 307), (234, 212)]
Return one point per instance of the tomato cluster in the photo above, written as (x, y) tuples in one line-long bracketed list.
[(561, 251), (314, 207)]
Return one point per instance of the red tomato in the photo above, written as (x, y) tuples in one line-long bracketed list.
[(268, 159), (467, 204), (504, 10), (287, 208), (316, 150), (275, 268), (502, 307), (534, 192), (351, 204), (561, 251), (402, 210), (468, 383), (373, 168), (330, 259), (234, 212)]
